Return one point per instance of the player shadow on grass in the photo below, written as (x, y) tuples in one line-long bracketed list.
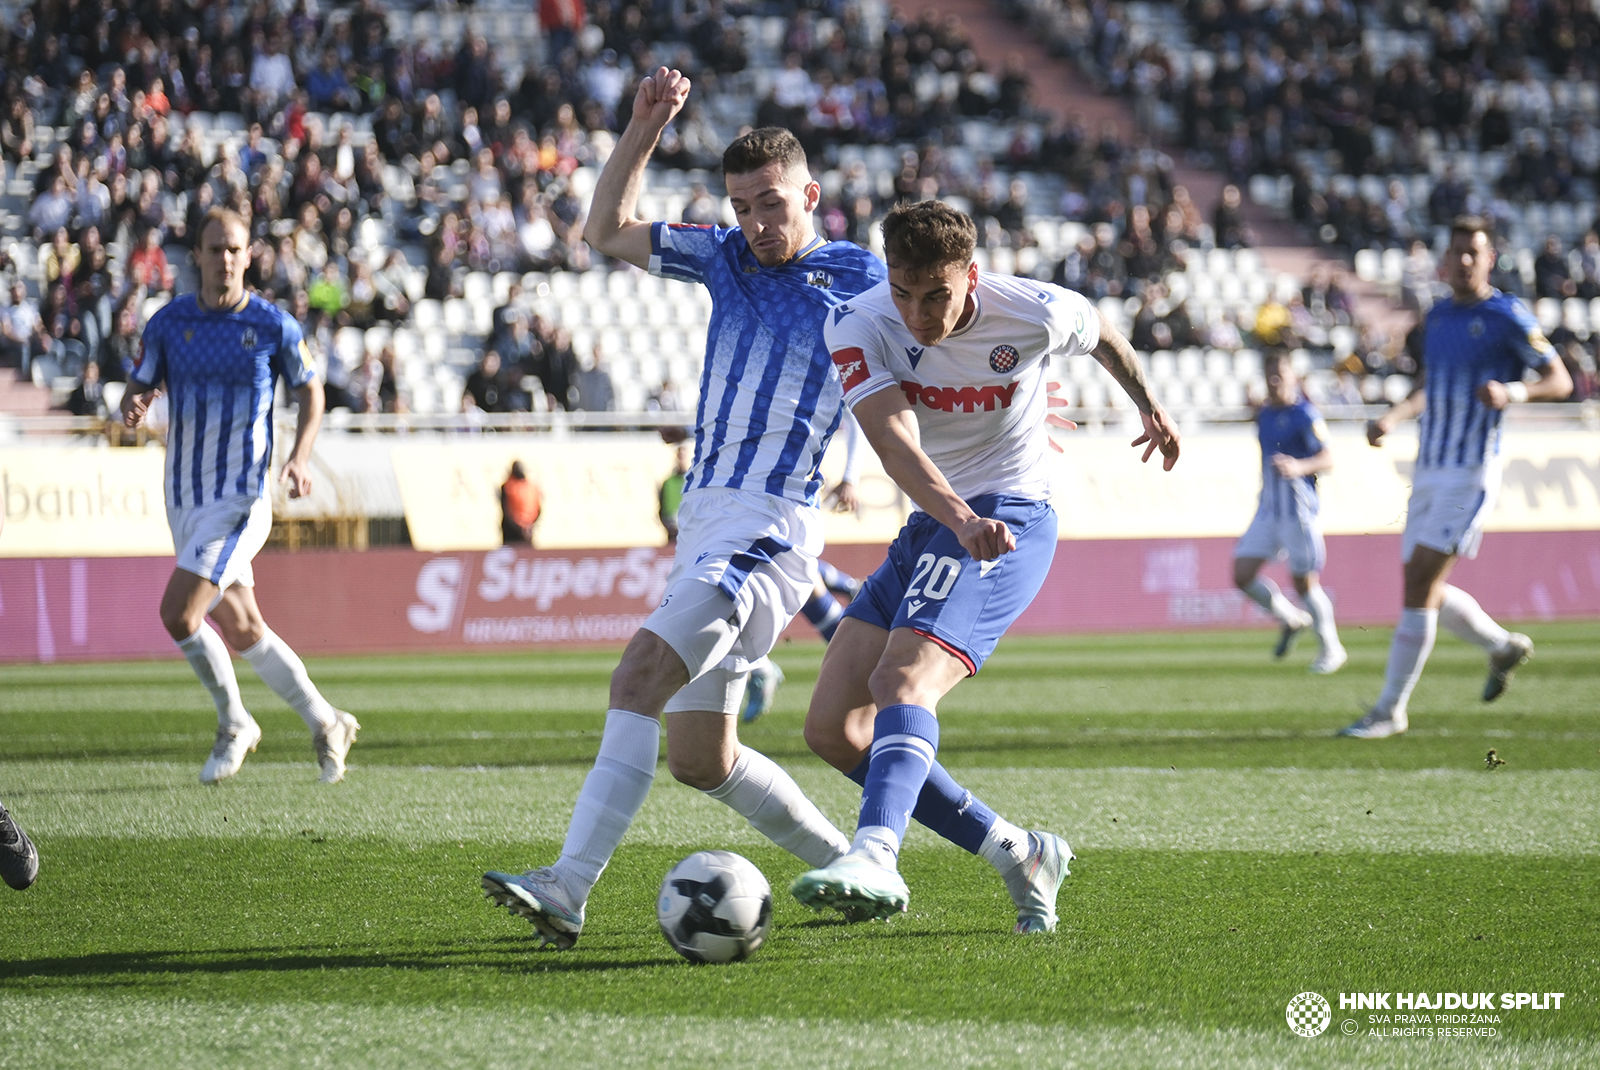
[(519, 956)]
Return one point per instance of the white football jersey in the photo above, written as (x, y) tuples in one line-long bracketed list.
[(980, 396)]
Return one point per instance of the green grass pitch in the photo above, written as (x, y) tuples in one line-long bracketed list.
[(1232, 854)]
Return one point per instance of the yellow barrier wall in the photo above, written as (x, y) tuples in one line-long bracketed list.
[(600, 491)]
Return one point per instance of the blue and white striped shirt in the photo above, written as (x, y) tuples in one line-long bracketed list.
[(1465, 346), (1293, 430), (769, 397), (219, 369)]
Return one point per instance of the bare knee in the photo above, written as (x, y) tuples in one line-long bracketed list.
[(1244, 571), (701, 771), (649, 674), (1304, 584), (830, 743)]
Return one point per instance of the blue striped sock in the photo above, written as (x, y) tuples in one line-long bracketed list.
[(824, 612), (945, 807), (904, 741)]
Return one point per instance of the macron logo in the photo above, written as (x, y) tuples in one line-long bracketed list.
[(852, 365), (913, 606), (986, 567), (914, 353), (962, 398), (840, 313)]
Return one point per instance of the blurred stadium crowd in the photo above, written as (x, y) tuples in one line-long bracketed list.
[(416, 179)]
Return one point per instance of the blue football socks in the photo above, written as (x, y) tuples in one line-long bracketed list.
[(824, 612), (904, 741), (945, 807)]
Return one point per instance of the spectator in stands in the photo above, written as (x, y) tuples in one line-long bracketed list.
[(329, 295), (375, 387), (1551, 275), (1589, 267), (1228, 225), (394, 302), (120, 353), (22, 332), (272, 77), (520, 505), (487, 384), (51, 210), (147, 265), (88, 397), (596, 393), (16, 131), (556, 366), (61, 259)]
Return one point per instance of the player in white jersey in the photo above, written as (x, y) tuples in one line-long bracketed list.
[(945, 367), (749, 528), (1476, 347), (217, 355)]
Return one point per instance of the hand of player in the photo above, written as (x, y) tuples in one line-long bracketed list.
[(135, 406), (1376, 429), (843, 498), (660, 97), (297, 474), (986, 539), (1494, 395), (1286, 466), (1057, 421), (673, 435), (1160, 433)]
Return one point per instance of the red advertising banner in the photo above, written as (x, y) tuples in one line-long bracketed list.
[(391, 601)]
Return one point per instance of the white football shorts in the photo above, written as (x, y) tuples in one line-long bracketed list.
[(743, 567), (218, 540), (1448, 509), (1297, 538)]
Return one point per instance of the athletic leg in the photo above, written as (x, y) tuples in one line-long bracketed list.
[(1424, 575), (1316, 600), (1265, 593)]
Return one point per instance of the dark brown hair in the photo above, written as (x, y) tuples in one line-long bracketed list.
[(927, 235), (227, 217), (1470, 225), (760, 147)]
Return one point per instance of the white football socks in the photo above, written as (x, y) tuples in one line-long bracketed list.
[(1264, 593), (879, 844), (208, 656), (612, 794), (281, 669), (1463, 618), (1408, 653), (1004, 845), (1321, 609), (760, 791)]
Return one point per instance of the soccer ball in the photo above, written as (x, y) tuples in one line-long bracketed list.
[(715, 906)]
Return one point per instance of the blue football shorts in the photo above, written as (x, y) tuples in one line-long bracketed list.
[(932, 586)]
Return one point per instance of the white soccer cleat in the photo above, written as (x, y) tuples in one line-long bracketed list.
[(227, 754), (1376, 725), (1503, 662), (1034, 882), (765, 676), (19, 858), (855, 886), (333, 743), (538, 896), (1329, 661)]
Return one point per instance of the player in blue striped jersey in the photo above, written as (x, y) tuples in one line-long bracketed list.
[(749, 527), (1476, 347), (1293, 451), (218, 355)]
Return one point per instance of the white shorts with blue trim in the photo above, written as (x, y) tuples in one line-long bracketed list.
[(218, 540), (1448, 508), (743, 567), (1295, 537)]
